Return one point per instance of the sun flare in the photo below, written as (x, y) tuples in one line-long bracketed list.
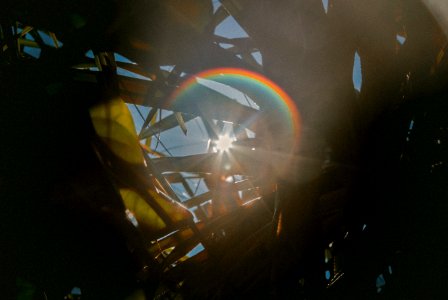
[(224, 143)]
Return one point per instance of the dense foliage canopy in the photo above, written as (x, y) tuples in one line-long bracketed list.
[(149, 153)]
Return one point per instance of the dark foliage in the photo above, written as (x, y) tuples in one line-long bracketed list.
[(370, 179)]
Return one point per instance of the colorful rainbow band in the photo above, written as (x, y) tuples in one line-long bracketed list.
[(260, 89)]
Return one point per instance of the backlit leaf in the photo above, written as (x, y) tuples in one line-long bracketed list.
[(147, 218), (167, 123), (181, 122), (113, 123)]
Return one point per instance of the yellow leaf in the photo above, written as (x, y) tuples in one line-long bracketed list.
[(148, 220), (114, 125), (146, 217), (176, 211)]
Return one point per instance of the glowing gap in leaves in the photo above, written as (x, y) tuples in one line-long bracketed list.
[(357, 75)]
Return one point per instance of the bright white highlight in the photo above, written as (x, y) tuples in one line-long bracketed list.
[(224, 143)]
